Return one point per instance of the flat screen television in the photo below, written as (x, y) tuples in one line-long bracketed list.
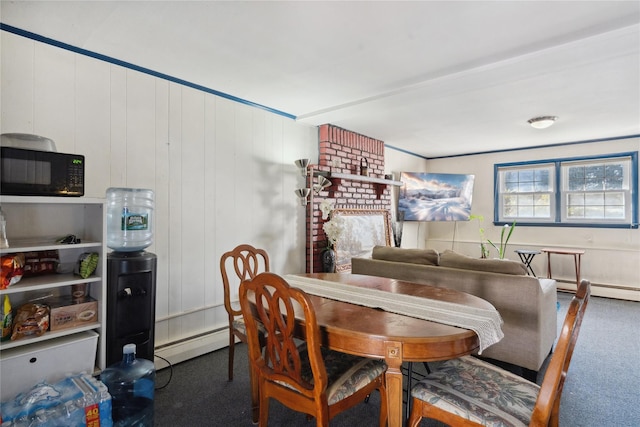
[(435, 196)]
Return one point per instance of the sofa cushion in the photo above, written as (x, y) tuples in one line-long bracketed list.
[(455, 260), (412, 256)]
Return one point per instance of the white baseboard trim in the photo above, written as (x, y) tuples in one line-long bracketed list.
[(602, 290), (190, 348)]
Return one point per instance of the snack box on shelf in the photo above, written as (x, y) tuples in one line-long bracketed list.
[(68, 312)]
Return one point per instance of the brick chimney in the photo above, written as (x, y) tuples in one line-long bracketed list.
[(344, 152)]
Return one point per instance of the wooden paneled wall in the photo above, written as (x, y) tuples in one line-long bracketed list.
[(222, 172)]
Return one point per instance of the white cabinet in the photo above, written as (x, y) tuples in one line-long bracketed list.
[(34, 224)]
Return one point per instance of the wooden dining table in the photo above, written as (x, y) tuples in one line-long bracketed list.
[(396, 338)]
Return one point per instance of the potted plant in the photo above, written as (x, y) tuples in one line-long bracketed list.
[(484, 251), (503, 241)]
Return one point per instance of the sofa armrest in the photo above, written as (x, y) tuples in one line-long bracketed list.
[(548, 314)]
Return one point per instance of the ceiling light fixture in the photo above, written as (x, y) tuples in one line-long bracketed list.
[(542, 122)]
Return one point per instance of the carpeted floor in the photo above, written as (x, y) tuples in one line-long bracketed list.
[(601, 389)]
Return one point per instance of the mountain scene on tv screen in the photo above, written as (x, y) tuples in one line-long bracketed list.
[(435, 196)]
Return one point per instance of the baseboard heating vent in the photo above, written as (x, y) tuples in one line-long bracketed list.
[(190, 347)]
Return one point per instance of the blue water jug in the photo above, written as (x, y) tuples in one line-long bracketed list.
[(131, 384)]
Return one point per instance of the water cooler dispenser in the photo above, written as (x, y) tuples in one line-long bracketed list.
[(131, 303), (131, 273)]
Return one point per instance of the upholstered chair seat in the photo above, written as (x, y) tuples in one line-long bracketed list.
[(238, 325), (241, 327), (478, 391), (470, 392), (346, 373)]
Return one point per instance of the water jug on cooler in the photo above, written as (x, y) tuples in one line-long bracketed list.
[(129, 218)]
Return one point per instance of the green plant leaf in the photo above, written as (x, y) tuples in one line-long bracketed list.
[(503, 242)]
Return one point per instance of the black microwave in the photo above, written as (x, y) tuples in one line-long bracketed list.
[(26, 172)]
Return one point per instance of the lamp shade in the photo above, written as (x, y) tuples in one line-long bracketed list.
[(302, 165), (303, 193), (323, 183)]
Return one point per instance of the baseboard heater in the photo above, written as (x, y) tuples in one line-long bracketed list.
[(603, 290), (190, 347)]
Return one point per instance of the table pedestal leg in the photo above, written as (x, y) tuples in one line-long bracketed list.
[(393, 379)]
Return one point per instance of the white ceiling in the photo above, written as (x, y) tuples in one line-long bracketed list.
[(434, 78)]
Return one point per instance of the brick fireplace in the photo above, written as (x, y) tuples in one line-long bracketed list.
[(344, 152)]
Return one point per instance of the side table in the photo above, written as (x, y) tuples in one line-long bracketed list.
[(577, 254), (526, 256)]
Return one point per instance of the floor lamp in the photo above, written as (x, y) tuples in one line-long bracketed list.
[(306, 197)]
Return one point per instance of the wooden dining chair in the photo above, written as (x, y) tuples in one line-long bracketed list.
[(246, 262), (302, 375), (471, 392)]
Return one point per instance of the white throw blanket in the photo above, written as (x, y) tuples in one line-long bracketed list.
[(484, 322)]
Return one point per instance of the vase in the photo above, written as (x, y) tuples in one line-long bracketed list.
[(397, 229), (329, 261)]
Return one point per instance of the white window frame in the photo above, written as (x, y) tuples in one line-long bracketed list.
[(523, 200), (599, 195)]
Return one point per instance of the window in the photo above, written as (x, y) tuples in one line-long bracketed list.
[(589, 191), (527, 192)]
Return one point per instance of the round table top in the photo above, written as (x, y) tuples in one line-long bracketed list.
[(367, 331)]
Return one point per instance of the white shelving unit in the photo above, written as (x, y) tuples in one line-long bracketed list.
[(34, 224)]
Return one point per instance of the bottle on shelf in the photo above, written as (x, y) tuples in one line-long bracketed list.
[(131, 384), (6, 318), (4, 242)]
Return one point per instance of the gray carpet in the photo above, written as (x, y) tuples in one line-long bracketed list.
[(601, 389)]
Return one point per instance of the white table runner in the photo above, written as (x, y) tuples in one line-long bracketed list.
[(484, 322)]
